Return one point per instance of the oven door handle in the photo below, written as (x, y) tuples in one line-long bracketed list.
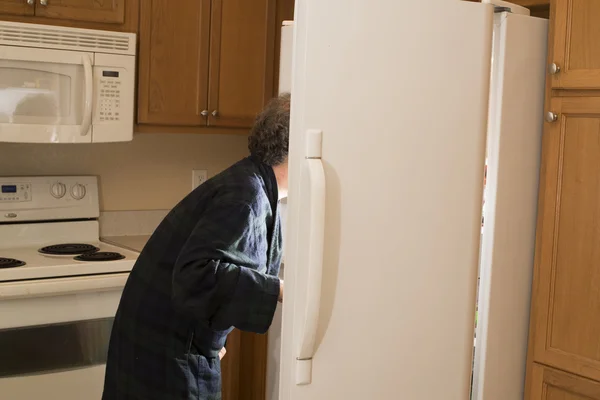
[(62, 286), (89, 92)]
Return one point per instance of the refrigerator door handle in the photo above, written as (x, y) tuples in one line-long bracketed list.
[(313, 186)]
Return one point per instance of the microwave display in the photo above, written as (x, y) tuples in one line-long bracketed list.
[(110, 74)]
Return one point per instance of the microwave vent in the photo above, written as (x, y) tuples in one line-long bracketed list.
[(54, 37)]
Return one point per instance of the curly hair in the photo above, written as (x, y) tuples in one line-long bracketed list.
[(269, 137)]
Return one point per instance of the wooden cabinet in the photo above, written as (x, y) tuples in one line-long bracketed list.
[(576, 44), (230, 367), (531, 3), (173, 62), (17, 7), (241, 60), (551, 384), (565, 324), (104, 11), (118, 15), (205, 63)]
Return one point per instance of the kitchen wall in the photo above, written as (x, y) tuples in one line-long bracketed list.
[(152, 172)]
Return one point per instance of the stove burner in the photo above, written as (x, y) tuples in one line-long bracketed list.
[(68, 249), (100, 256), (10, 263)]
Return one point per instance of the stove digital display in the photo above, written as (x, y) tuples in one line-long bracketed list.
[(9, 188)]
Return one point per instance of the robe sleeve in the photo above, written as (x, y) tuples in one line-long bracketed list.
[(215, 277)]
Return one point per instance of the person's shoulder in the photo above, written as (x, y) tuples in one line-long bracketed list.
[(240, 184)]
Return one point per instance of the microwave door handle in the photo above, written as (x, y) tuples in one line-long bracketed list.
[(89, 89)]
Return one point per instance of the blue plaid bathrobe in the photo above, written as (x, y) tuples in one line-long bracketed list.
[(211, 265)]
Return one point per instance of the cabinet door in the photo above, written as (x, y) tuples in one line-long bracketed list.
[(104, 11), (566, 290), (230, 367), (173, 62), (17, 7), (550, 384), (241, 60), (531, 3), (576, 44)]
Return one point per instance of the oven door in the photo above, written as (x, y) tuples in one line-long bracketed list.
[(54, 336), (45, 95)]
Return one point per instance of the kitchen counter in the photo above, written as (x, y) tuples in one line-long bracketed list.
[(135, 242)]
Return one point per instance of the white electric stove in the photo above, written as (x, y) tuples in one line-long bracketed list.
[(60, 286)]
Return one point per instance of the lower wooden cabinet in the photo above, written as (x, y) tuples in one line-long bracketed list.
[(551, 384), (565, 313)]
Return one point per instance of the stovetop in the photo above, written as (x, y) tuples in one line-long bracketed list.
[(43, 266), (67, 249)]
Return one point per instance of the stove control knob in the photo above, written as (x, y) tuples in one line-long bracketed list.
[(58, 190), (78, 191)]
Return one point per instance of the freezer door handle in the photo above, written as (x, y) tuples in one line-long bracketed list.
[(313, 192)]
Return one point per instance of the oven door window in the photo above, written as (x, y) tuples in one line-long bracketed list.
[(42, 349)]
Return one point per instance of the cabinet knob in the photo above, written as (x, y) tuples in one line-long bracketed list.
[(215, 113), (44, 2), (554, 69), (30, 2), (551, 117), (204, 113)]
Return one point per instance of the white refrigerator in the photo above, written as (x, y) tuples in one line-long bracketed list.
[(395, 107)]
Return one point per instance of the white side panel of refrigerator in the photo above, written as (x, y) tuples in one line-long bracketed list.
[(400, 91), (507, 250), (285, 57), (274, 337)]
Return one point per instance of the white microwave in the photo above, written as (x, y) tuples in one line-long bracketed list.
[(65, 85)]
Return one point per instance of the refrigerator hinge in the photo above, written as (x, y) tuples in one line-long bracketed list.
[(505, 6), (498, 10)]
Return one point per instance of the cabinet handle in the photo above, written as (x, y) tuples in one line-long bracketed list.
[(554, 69), (44, 2), (551, 117), (30, 2), (215, 113), (204, 113)]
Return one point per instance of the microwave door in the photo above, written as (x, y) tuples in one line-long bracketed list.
[(46, 96)]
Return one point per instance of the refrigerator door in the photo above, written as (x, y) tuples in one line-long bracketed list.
[(398, 94), (510, 212)]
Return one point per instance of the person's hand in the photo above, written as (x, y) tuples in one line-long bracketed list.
[(222, 353), (280, 299)]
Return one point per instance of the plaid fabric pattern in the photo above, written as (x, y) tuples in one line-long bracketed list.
[(211, 265)]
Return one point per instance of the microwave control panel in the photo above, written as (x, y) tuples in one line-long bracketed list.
[(109, 95)]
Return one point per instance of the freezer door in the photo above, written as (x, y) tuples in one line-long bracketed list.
[(399, 90), (507, 248)]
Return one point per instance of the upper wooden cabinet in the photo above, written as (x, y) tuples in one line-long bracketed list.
[(241, 60), (173, 62), (118, 15), (565, 325), (531, 3), (17, 7), (205, 63), (551, 384), (576, 52), (104, 11)]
